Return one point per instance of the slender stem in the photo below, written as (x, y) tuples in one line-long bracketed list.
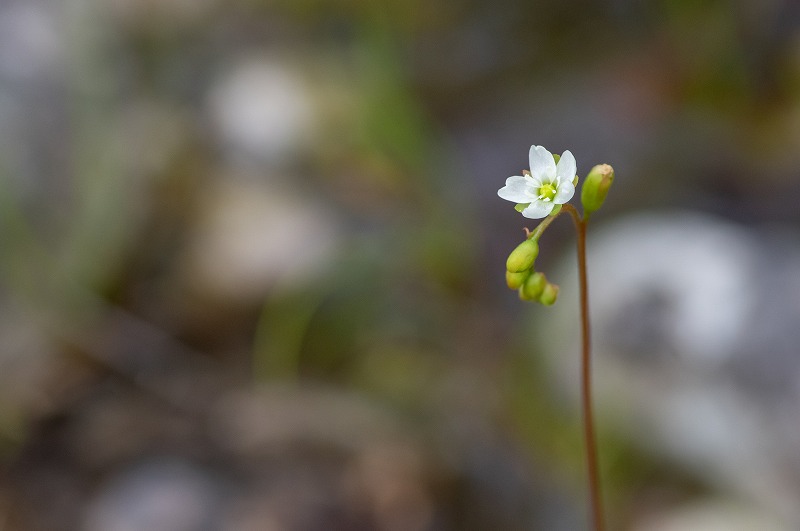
[(537, 232), (586, 378), (589, 439)]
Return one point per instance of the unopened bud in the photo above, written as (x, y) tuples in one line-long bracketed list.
[(549, 294), (595, 187), (533, 287), (515, 280), (523, 257)]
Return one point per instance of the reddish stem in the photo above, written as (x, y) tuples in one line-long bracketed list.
[(586, 378)]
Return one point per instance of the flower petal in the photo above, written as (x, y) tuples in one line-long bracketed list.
[(565, 192), (514, 190), (538, 209), (542, 163), (567, 168)]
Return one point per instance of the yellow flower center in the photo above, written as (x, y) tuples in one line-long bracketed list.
[(547, 192)]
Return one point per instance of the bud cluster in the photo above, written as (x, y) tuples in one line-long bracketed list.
[(532, 285)]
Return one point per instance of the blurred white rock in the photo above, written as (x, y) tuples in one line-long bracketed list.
[(156, 495), (254, 237), (31, 41), (695, 343), (262, 112), (712, 516)]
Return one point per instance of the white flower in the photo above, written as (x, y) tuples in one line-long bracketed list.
[(547, 185)]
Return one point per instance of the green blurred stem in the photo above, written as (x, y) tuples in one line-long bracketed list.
[(279, 336), (589, 438)]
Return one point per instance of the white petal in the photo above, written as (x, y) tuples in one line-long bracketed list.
[(542, 163), (514, 190), (538, 209), (567, 168), (565, 192)]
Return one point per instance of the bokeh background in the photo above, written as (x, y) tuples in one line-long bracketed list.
[(252, 264)]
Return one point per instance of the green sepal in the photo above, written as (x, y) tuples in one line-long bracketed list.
[(549, 294), (533, 287), (521, 206), (522, 257), (595, 187), (516, 280)]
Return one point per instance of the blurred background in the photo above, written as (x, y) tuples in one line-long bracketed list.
[(252, 264)]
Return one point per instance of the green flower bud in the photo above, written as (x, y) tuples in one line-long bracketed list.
[(596, 186), (533, 287), (516, 280), (522, 258), (549, 294)]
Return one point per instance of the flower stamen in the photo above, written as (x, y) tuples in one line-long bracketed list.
[(547, 192)]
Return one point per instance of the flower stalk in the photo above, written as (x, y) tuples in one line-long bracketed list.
[(587, 413)]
